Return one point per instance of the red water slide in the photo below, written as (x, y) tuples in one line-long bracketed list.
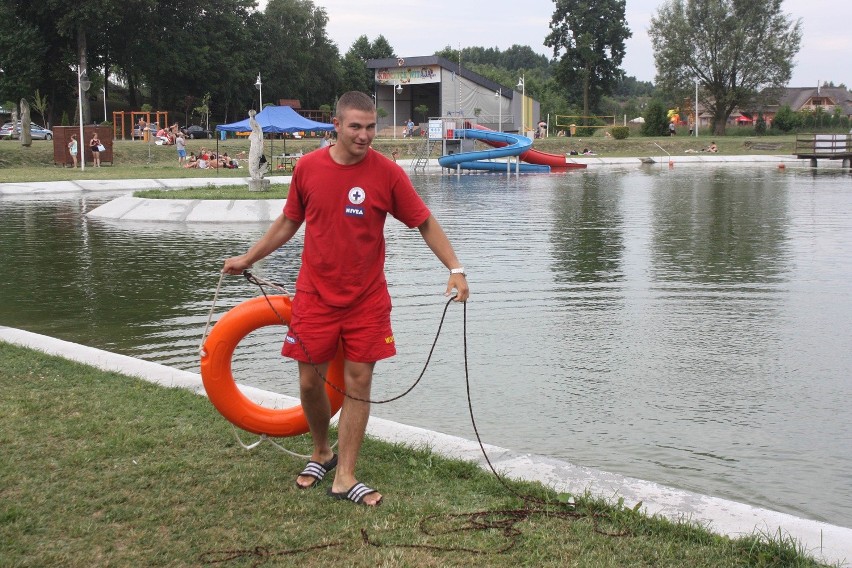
[(557, 162)]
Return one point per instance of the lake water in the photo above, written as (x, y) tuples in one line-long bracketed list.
[(686, 326)]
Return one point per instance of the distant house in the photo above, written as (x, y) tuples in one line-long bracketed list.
[(810, 99), (797, 98), (813, 98), (737, 118)]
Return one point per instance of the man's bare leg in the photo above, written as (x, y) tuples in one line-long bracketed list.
[(358, 379), (318, 413)]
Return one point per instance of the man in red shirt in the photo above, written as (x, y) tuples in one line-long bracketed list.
[(343, 194)]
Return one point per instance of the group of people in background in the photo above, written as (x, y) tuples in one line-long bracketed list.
[(95, 146), (206, 159), (164, 136), (168, 136)]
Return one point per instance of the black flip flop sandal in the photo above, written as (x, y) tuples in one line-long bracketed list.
[(356, 494), (316, 470)]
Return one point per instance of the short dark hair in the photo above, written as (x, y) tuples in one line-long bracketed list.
[(354, 100)]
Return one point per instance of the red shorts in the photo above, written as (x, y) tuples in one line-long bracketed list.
[(363, 329)]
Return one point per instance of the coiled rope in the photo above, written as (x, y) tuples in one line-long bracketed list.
[(503, 521), (261, 283)]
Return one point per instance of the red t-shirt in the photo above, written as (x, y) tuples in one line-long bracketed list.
[(344, 209)]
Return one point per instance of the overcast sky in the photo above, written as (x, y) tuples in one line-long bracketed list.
[(421, 27)]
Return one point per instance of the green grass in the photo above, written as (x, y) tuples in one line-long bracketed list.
[(99, 469), (138, 160), (131, 161)]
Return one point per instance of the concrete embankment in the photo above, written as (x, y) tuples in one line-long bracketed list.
[(129, 185)]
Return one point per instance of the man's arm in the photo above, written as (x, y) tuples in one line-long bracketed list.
[(437, 240), (281, 231)]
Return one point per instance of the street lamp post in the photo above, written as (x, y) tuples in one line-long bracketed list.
[(396, 90), (83, 84), (695, 126), (499, 95), (150, 139), (523, 85), (259, 85), (103, 90)]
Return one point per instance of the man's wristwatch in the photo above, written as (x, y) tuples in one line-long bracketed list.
[(459, 270)]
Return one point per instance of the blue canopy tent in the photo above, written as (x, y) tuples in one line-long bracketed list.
[(277, 120)]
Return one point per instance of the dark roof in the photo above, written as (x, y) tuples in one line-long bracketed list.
[(423, 61), (796, 97)]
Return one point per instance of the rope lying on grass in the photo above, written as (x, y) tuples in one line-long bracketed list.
[(503, 522)]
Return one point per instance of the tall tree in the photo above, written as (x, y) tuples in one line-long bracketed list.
[(22, 50), (76, 22), (127, 40), (216, 51), (590, 36), (515, 58), (63, 29), (356, 76), (303, 62), (734, 48)]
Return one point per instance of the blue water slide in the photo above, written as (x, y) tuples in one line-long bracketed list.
[(515, 146)]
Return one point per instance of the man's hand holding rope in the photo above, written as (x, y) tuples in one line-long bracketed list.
[(458, 282)]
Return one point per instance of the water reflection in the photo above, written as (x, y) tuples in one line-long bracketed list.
[(730, 229), (686, 326), (587, 231)]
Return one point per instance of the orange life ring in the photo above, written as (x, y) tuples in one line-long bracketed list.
[(218, 377)]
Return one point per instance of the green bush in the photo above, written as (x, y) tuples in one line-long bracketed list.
[(656, 120), (785, 119), (619, 132)]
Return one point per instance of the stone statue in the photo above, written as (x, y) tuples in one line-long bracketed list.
[(257, 162), (257, 168), (26, 136)]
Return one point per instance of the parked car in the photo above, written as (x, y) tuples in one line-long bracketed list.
[(6, 130), (195, 131), (36, 132), (40, 133)]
